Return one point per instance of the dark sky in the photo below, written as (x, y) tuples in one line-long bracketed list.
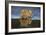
[(15, 12)]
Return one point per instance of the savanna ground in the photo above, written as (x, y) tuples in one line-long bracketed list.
[(15, 24)]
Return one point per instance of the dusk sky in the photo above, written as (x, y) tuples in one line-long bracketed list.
[(15, 12)]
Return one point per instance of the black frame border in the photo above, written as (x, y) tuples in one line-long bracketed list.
[(6, 16)]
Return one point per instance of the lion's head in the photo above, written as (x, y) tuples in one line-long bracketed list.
[(26, 17)]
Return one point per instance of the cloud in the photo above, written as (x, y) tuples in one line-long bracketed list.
[(15, 17), (35, 18), (18, 17)]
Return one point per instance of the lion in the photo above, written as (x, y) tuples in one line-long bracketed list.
[(26, 17)]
